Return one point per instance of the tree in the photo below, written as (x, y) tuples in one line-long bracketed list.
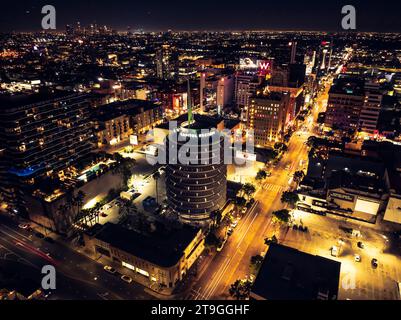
[(257, 259), (289, 197), (240, 289), (298, 176), (216, 217), (240, 202), (256, 262), (282, 216), (261, 175), (156, 177), (279, 146), (248, 189), (124, 168), (269, 241), (79, 200)]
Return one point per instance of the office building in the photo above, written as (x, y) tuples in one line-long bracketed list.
[(346, 100), (268, 116), (197, 188), (371, 108)]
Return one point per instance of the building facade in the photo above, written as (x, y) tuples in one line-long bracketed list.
[(196, 186), (268, 116), (41, 134)]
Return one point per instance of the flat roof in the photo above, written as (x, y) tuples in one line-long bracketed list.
[(9, 101), (290, 274), (162, 247)]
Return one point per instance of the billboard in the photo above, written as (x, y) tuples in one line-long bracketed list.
[(248, 63), (262, 67)]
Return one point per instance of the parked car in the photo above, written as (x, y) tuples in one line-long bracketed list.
[(221, 245), (234, 224), (102, 214), (230, 231), (109, 269), (23, 225), (360, 245), (357, 258), (374, 263), (126, 278)]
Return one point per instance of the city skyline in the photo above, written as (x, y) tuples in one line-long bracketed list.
[(180, 15), (200, 168)]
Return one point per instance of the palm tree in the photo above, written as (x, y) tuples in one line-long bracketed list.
[(298, 176), (156, 177), (282, 216), (248, 189), (261, 175), (289, 197), (240, 289)]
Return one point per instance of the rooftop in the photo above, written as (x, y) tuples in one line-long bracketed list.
[(11, 101), (162, 247), (289, 274), (349, 86)]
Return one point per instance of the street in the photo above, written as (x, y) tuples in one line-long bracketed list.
[(78, 277)]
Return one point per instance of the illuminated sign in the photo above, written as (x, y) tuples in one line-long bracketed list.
[(133, 139), (248, 63), (341, 196), (264, 67)]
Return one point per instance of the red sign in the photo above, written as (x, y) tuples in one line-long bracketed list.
[(265, 67)]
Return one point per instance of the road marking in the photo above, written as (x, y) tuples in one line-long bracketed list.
[(211, 288)]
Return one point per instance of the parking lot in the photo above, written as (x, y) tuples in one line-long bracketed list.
[(358, 280)]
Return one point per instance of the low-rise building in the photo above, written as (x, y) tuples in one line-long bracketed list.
[(290, 274), (162, 257)]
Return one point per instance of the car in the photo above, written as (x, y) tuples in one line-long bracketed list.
[(102, 214), (221, 245), (360, 245), (244, 209), (374, 263), (126, 278), (357, 258), (39, 235), (230, 231), (109, 269), (24, 226), (49, 239), (234, 224)]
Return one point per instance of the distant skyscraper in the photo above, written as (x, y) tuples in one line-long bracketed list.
[(225, 91), (293, 45), (324, 59), (371, 108), (164, 64)]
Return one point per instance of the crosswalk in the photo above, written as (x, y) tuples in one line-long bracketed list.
[(273, 187)]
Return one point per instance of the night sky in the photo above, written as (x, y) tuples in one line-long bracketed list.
[(155, 15)]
